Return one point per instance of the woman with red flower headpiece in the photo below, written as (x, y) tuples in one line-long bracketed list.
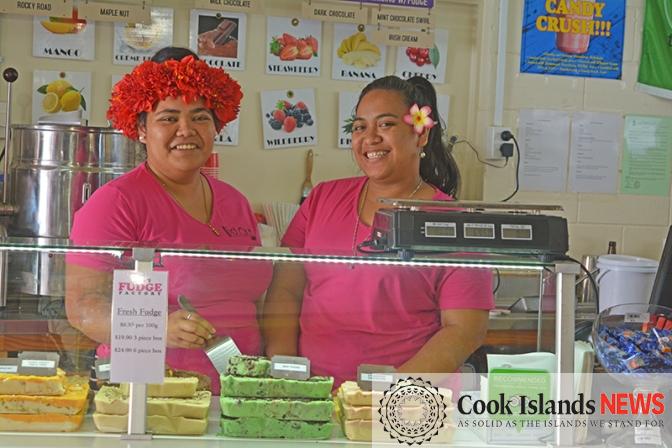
[(175, 105)]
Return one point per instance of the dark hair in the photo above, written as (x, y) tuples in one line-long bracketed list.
[(438, 167), (171, 54)]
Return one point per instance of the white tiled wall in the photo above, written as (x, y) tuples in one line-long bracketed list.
[(637, 223)]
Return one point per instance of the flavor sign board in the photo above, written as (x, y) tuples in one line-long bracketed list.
[(135, 42), (355, 57), (60, 38), (219, 38), (228, 136), (61, 97), (578, 38), (288, 118), (428, 62), (292, 46)]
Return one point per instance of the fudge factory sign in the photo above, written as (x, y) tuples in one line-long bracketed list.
[(406, 3), (53, 8)]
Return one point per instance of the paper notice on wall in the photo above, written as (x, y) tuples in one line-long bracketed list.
[(595, 144), (543, 136), (646, 155)]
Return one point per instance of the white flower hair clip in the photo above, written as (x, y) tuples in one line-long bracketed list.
[(419, 118)]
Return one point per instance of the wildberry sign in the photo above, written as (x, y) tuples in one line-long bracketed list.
[(289, 118)]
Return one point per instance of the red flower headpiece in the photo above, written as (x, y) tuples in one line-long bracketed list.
[(189, 78)]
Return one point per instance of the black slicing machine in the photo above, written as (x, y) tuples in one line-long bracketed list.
[(409, 226)]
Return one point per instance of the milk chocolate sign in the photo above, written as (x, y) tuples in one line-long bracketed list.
[(229, 5), (219, 39)]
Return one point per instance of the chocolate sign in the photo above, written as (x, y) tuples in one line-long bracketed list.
[(402, 18), (219, 39), (229, 5), (328, 12)]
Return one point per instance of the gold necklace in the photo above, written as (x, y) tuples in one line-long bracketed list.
[(205, 203), (208, 216), (361, 208)]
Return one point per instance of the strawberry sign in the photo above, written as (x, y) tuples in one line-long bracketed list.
[(289, 118), (293, 46)]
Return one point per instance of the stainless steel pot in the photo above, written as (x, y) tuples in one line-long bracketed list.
[(54, 169)]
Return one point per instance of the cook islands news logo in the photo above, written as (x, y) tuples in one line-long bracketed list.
[(412, 411)]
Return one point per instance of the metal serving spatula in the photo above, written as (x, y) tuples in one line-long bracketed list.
[(219, 349)]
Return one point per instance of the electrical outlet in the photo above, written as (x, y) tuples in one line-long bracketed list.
[(493, 141)]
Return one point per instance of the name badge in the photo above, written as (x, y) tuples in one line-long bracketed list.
[(368, 374), (38, 363), (290, 367)]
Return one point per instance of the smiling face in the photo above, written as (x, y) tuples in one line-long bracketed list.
[(386, 148), (179, 137)]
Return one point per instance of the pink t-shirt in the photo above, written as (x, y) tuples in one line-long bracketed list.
[(136, 208), (354, 315)]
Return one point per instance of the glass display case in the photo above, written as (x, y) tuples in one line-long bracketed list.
[(228, 290)]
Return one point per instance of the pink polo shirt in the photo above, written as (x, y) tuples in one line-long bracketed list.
[(353, 315), (136, 208)]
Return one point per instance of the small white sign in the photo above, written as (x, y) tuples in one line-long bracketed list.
[(377, 377), (139, 321), (293, 46), (291, 367), (355, 57), (60, 38), (219, 38), (9, 369), (38, 363), (430, 63)]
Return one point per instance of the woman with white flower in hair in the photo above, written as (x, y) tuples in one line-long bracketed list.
[(414, 319)]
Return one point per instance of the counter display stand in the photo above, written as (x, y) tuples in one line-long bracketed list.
[(22, 331)]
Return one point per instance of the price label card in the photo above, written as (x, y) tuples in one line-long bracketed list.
[(368, 374), (9, 365), (292, 367), (38, 363), (52, 8), (139, 317)]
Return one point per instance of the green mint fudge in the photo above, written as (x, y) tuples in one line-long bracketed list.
[(260, 427), (255, 366), (281, 409), (317, 387)]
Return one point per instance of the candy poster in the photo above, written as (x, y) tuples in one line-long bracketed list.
[(61, 97), (61, 38), (430, 63), (573, 38), (219, 38), (288, 118), (355, 57), (293, 46), (135, 43)]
